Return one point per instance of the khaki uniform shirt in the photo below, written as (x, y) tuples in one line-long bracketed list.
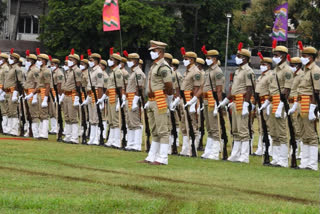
[(97, 78), (241, 79), (125, 75), (10, 76), (192, 78), (4, 69), (217, 78), (70, 83), (295, 84), (105, 80), (159, 74), (136, 75), (31, 77), (305, 87), (115, 73), (285, 78), (85, 78), (44, 77), (262, 83)]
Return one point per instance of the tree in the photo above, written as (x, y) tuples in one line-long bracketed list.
[(2, 15)]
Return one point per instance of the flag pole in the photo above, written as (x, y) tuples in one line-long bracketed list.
[(120, 40)]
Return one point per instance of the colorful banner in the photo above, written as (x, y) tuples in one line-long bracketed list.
[(280, 27), (110, 14)]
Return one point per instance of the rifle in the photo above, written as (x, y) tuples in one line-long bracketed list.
[(250, 126), (293, 142), (83, 113), (202, 131), (123, 119), (191, 132), (22, 116), (60, 121), (84, 118), (224, 136), (1, 129), (146, 121), (265, 139)]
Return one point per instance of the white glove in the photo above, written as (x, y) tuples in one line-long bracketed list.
[(101, 99), (174, 103), (3, 96), (245, 110), (135, 102), (264, 105), (14, 96), (215, 111), (20, 97), (123, 100), (279, 110), (253, 107), (28, 97), (85, 102), (147, 105), (224, 102), (76, 101), (118, 105), (169, 100), (34, 99), (293, 108), (318, 114), (268, 109), (1, 91), (312, 116), (44, 103), (61, 98), (192, 101), (101, 105), (193, 108)]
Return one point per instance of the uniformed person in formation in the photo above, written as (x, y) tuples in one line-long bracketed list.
[(70, 99), (115, 80), (32, 78), (160, 94), (10, 88), (277, 120), (96, 78), (310, 80), (135, 86), (4, 107), (240, 95), (104, 105), (262, 88), (190, 86), (84, 83), (141, 64)]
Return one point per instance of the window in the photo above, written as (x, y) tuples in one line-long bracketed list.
[(29, 24)]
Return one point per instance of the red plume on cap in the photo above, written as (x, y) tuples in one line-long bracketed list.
[(183, 51), (274, 44), (89, 52), (300, 45), (38, 51), (260, 55), (111, 51), (289, 57), (125, 53), (72, 51), (203, 49), (67, 58), (11, 51), (81, 57), (27, 52), (50, 57), (118, 53), (240, 45)]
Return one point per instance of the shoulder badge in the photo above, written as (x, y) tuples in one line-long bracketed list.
[(164, 73), (105, 80), (99, 75), (173, 79), (139, 76), (249, 76), (60, 77), (219, 75), (288, 75), (197, 76), (79, 74), (118, 76), (316, 76)]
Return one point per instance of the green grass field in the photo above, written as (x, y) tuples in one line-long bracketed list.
[(52, 177)]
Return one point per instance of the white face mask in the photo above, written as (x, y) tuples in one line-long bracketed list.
[(11, 61), (70, 63), (304, 60), (154, 55), (130, 64), (239, 61), (293, 69), (1, 62), (82, 67), (65, 67), (263, 68), (119, 66), (276, 60), (27, 65), (209, 62), (186, 62), (38, 64), (53, 68), (91, 64), (110, 63)]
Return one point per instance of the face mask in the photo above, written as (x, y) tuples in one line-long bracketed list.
[(91, 64), (1, 62), (119, 66), (110, 63), (154, 55), (304, 60), (186, 62), (276, 60), (263, 68), (65, 67), (38, 64), (239, 61), (11, 61), (130, 64), (209, 62), (53, 68), (82, 67), (293, 69), (27, 66), (70, 63)]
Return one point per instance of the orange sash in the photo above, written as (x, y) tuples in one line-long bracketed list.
[(187, 95), (42, 92), (112, 95), (263, 99), (275, 103), (211, 101), (238, 100), (130, 97), (91, 94), (161, 101), (71, 93), (305, 101)]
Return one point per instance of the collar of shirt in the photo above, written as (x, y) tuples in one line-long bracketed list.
[(244, 67), (280, 67), (135, 68), (310, 66), (212, 67)]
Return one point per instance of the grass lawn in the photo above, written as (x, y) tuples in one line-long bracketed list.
[(52, 177)]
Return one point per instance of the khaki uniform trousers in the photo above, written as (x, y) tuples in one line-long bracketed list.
[(308, 130), (4, 107), (93, 119), (12, 107), (43, 112), (183, 124), (278, 130), (113, 115), (70, 112), (35, 109), (133, 118), (212, 124), (240, 129), (52, 108)]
